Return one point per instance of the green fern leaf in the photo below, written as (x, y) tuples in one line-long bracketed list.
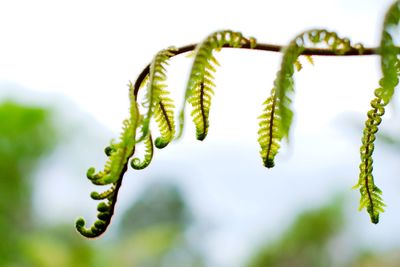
[(200, 86), (116, 165), (284, 83), (159, 105), (370, 194), (269, 134), (136, 163)]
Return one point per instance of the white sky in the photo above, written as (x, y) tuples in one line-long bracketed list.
[(89, 50)]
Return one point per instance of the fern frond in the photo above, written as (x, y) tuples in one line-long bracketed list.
[(200, 86), (284, 82), (389, 53), (116, 165), (278, 115), (104, 215), (370, 194), (269, 134), (136, 163), (157, 101)]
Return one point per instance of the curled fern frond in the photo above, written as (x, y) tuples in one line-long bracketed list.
[(284, 82), (104, 215), (269, 134), (200, 86), (157, 101), (370, 194), (116, 165), (277, 116), (136, 163)]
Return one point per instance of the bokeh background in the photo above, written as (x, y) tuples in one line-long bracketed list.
[(64, 67)]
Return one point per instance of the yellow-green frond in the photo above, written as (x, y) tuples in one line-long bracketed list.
[(157, 100), (269, 135), (284, 82), (200, 86), (136, 163)]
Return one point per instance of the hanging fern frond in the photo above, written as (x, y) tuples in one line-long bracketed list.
[(104, 215), (278, 115), (159, 105), (284, 82), (116, 165), (269, 134), (200, 86), (136, 163), (370, 194)]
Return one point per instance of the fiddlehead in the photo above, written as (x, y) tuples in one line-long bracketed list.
[(136, 163), (116, 165), (200, 86), (370, 194), (277, 116)]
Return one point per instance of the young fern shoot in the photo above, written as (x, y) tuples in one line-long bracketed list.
[(370, 194), (275, 120), (277, 116), (200, 86)]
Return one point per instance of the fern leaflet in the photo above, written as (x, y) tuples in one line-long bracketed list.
[(116, 165), (370, 194), (269, 134), (200, 86), (159, 105), (139, 165)]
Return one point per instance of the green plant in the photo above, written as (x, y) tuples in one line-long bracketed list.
[(275, 121)]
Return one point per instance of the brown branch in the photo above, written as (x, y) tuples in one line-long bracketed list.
[(269, 48)]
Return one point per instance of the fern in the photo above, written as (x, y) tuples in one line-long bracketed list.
[(275, 120), (139, 165), (159, 105), (277, 116), (269, 132), (370, 194), (200, 86), (118, 155)]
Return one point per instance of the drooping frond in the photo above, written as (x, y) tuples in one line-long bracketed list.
[(284, 82), (200, 86), (370, 194), (269, 134), (104, 215), (116, 165), (389, 53), (136, 163), (277, 116), (159, 105)]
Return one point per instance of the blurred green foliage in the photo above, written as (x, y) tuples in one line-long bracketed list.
[(305, 242), (26, 134), (153, 232)]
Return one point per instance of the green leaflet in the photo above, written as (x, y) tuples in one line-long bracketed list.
[(277, 116), (200, 86), (284, 82), (139, 165), (269, 134), (159, 105), (116, 165), (370, 194)]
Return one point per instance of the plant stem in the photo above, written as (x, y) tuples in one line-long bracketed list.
[(269, 48)]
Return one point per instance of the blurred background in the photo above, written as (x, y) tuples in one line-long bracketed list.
[(64, 66)]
